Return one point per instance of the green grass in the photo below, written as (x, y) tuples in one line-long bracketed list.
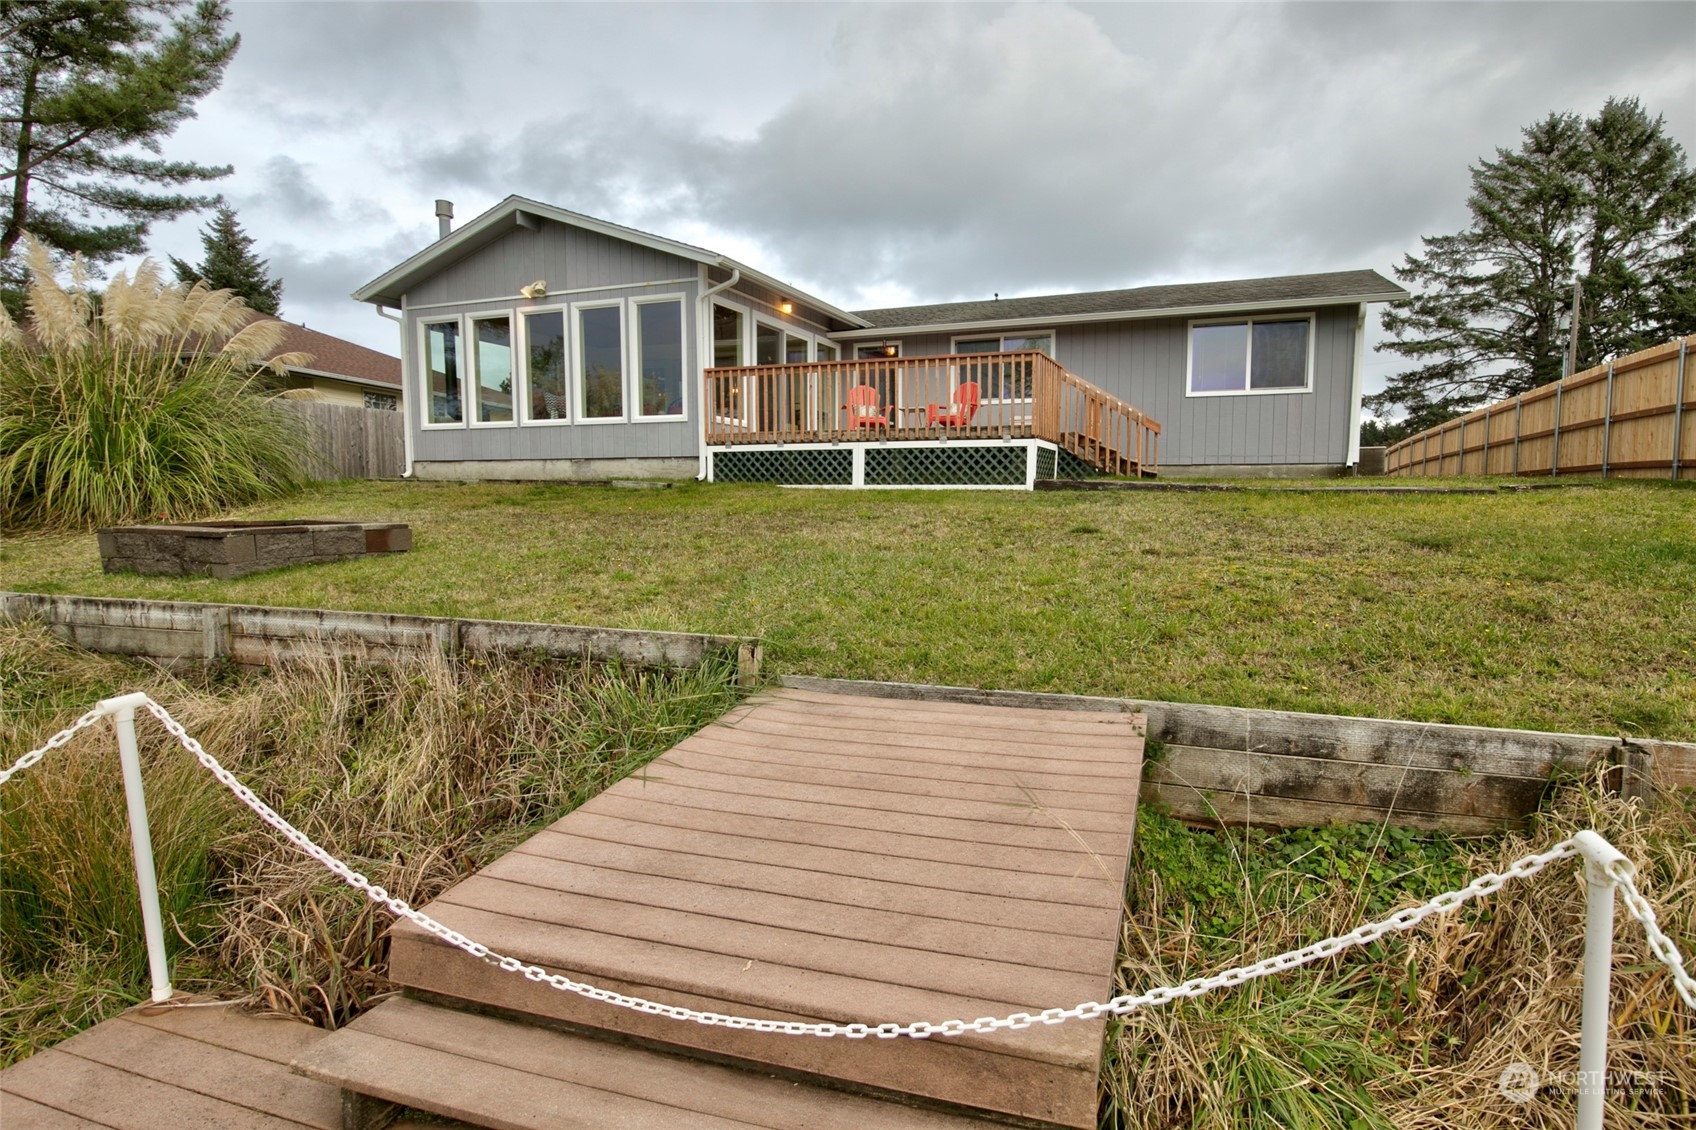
[(1564, 610)]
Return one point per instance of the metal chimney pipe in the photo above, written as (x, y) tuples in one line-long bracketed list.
[(444, 218)]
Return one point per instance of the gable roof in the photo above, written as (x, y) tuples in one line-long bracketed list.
[(1239, 295), (336, 357), (388, 288)]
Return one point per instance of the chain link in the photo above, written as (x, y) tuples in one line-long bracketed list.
[(1485, 884), (53, 743), (1659, 944)]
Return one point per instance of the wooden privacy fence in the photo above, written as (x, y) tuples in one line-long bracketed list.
[(1630, 418), (352, 443)]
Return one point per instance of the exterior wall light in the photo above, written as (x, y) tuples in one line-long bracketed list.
[(786, 307), (537, 289)]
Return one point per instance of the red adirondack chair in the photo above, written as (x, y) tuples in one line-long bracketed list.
[(966, 399), (865, 408)]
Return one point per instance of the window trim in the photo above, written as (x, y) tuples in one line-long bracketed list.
[(471, 318), (523, 313), (633, 358), (1249, 320), (1001, 340), (424, 421), (580, 388)]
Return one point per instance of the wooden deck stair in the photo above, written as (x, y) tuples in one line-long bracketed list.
[(813, 856)]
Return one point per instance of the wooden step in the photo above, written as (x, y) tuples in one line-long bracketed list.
[(825, 857), (514, 1076)]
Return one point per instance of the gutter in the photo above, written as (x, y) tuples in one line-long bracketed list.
[(406, 424), (1044, 321), (703, 343)]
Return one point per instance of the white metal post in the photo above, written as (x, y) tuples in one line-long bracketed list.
[(122, 711), (1599, 855)]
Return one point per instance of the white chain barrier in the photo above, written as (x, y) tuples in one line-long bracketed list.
[(1619, 871)]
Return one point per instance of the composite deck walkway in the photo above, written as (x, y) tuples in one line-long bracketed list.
[(810, 856)]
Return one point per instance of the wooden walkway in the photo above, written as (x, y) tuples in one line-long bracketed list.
[(811, 856), (832, 857), (182, 1068)]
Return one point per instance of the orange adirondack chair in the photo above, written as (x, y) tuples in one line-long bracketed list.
[(865, 408), (966, 399)]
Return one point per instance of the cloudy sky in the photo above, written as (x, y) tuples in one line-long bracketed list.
[(884, 154)]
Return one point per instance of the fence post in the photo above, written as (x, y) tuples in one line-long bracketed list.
[(1678, 409), (1607, 419), (1599, 856), (1518, 411), (1555, 446), (122, 711), (1485, 458)]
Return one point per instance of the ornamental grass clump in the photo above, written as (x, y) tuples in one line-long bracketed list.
[(139, 404)]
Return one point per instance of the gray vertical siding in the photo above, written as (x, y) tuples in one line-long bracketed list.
[(569, 259), (1144, 362)]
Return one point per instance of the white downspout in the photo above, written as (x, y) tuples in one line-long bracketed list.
[(405, 407), (703, 341), (1358, 387)]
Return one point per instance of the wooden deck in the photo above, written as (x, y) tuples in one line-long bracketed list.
[(832, 857)]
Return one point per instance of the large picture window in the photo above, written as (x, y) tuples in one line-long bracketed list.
[(600, 365), (493, 361), (442, 376), (659, 358), (544, 342), (1251, 355)]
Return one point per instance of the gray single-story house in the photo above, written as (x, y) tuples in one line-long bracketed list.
[(537, 343)]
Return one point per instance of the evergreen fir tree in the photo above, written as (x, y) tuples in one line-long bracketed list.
[(87, 88), (230, 264), (1610, 200)]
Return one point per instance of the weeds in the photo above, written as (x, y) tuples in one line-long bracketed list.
[(1411, 1032)]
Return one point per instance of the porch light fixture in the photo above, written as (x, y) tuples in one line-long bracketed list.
[(889, 351), (786, 307), (537, 289)]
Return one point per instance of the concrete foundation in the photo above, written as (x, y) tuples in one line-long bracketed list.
[(556, 470)]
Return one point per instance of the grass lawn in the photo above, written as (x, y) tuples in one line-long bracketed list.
[(1562, 609)]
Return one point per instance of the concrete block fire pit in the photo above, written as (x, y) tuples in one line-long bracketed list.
[(234, 549)]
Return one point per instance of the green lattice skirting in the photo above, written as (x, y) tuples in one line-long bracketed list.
[(956, 465), (808, 466)]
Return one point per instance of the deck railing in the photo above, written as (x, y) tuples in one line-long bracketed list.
[(1024, 394)]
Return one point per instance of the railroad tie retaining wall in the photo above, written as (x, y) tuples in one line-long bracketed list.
[(182, 631), (1277, 768)]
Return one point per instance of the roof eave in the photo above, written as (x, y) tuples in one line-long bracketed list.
[(1045, 320), (324, 374)]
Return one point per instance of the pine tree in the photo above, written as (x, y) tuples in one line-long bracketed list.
[(230, 264), (87, 89), (1611, 201)]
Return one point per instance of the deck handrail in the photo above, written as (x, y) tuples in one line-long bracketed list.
[(1024, 394), (1608, 875)]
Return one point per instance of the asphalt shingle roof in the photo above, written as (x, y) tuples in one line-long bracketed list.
[(338, 356), (1295, 289)]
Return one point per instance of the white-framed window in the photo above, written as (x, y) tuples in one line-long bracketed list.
[(494, 373), (547, 365), (1250, 356), (657, 353), (597, 330), (1002, 381), (441, 348), (826, 351)]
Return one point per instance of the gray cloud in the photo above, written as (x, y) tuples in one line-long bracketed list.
[(875, 153)]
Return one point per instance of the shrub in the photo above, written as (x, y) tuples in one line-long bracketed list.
[(139, 405)]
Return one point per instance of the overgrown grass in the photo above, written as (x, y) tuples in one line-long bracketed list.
[(1413, 1031), (143, 406), (416, 775), (1556, 610)]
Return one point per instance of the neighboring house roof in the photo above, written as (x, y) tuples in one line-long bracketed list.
[(517, 211), (1236, 296), (337, 358)]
